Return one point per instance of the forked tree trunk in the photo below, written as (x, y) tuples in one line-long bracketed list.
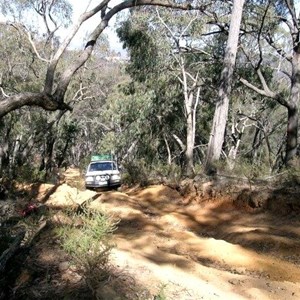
[(191, 101), (220, 117)]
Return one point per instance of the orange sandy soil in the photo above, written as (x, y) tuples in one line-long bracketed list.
[(210, 250)]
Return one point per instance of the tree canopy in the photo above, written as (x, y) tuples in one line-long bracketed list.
[(159, 107)]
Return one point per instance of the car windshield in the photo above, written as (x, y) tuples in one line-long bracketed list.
[(102, 166)]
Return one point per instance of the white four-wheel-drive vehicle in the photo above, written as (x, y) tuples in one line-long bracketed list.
[(102, 172)]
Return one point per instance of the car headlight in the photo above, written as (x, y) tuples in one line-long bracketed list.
[(89, 178), (98, 178), (115, 177)]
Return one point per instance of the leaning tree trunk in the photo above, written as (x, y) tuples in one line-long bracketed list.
[(220, 117)]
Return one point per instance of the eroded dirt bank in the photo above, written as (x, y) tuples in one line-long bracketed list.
[(213, 246)]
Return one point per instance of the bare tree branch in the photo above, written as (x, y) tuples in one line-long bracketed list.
[(259, 35), (256, 89), (291, 7), (180, 143), (266, 92), (67, 75), (52, 67), (54, 100)]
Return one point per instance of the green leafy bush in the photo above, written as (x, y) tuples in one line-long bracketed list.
[(88, 242), (136, 172), (172, 172), (243, 168), (29, 173), (161, 295)]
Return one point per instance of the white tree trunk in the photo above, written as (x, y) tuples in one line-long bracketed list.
[(191, 101), (168, 150), (220, 117), (190, 137)]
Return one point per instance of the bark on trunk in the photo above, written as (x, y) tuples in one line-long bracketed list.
[(168, 150), (293, 115), (292, 133), (189, 151), (191, 100), (220, 117)]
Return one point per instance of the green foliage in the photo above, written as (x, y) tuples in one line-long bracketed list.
[(172, 172), (88, 243), (143, 50), (19, 68), (141, 173), (250, 170), (137, 172), (112, 111), (60, 10), (244, 168), (161, 293), (255, 10), (163, 113), (66, 137), (29, 173)]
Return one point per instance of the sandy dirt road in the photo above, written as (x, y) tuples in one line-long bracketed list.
[(207, 251), (170, 248)]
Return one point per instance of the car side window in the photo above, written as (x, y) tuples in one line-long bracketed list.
[(93, 167)]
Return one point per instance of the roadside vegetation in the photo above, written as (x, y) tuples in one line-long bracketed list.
[(155, 109), (205, 92), (87, 239)]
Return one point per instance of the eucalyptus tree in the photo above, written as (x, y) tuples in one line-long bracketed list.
[(172, 64), (94, 106), (51, 94), (222, 104), (32, 139), (254, 133), (189, 77), (276, 34), (50, 91), (19, 70)]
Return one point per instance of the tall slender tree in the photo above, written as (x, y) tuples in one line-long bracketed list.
[(220, 116)]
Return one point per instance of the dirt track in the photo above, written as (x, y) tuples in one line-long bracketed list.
[(184, 250), (207, 251)]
